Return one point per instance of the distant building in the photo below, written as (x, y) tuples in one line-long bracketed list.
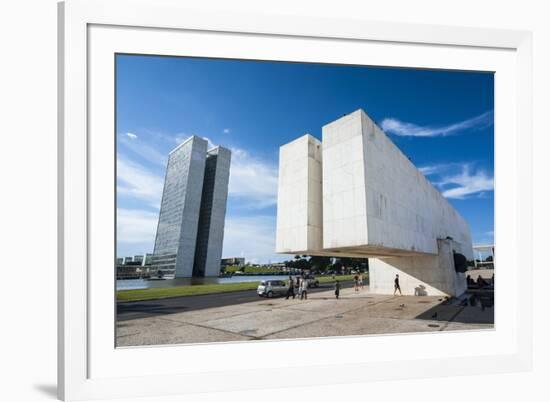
[(134, 267), (126, 260), (144, 259), (484, 255), (191, 222), (147, 259), (131, 270), (238, 261)]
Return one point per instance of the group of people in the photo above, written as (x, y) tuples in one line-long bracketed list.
[(358, 282), (479, 282), (301, 284)]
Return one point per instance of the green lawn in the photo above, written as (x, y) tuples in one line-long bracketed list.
[(195, 290), (327, 279), (252, 270)]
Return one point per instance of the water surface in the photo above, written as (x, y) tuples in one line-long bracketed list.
[(128, 284)]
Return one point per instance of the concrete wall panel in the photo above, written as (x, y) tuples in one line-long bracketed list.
[(426, 275), (344, 207), (299, 207)]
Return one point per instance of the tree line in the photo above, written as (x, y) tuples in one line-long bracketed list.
[(317, 263)]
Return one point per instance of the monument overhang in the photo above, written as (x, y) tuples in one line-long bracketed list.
[(355, 194), (363, 251)]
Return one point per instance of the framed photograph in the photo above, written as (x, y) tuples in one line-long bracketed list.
[(253, 200)]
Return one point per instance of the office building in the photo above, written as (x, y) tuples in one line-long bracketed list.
[(191, 222), (237, 261)]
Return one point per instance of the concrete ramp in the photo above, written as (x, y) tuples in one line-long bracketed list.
[(355, 194)]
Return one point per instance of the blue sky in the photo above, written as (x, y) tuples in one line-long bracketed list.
[(442, 120)]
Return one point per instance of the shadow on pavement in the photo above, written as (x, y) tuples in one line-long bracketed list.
[(471, 309), (149, 308), (47, 389)]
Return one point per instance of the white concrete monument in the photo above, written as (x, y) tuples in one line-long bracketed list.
[(361, 197)]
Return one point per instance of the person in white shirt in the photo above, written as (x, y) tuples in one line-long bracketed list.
[(303, 289)]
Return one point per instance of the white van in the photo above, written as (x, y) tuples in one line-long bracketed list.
[(272, 288)]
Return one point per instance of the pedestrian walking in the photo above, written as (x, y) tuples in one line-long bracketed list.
[(361, 280), (290, 291), (356, 282), (396, 286), (481, 282), (337, 289), (303, 289)]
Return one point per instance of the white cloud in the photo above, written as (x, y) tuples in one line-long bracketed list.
[(131, 136), (252, 237), (143, 150), (135, 226), (210, 143), (429, 170), (178, 139), (401, 128), (252, 180), (135, 181), (459, 180), (483, 239), (467, 183), (252, 185), (226, 130), (442, 168)]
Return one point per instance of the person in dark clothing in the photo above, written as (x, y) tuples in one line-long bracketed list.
[(469, 281), (481, 282), (337, 289), (290, 291), (396, 286)]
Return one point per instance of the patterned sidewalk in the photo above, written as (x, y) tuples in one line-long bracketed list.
[(355, 313)]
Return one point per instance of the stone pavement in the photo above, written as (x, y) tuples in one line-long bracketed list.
[(355, 313)]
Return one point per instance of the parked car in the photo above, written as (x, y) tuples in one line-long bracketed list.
[(312, 281), (272, 288)]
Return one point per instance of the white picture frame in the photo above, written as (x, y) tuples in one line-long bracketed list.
[(90, 32)]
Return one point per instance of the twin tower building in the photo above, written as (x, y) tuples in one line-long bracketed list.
[(191, 222)]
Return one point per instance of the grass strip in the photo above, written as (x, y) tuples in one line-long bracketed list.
[(196, 290)]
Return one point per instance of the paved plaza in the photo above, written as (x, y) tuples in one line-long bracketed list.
[(355, 313)]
